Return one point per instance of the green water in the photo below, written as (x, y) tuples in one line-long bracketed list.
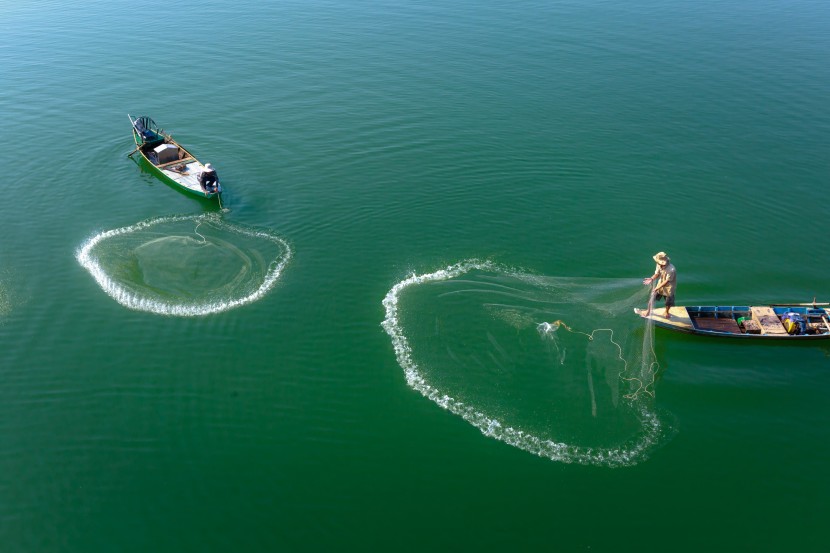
[(361, 145)]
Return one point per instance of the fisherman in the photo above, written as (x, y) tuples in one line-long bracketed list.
[(208, 179), (666, 277)]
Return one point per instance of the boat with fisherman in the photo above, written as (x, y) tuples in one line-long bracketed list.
[(787, 321), (170, 161)]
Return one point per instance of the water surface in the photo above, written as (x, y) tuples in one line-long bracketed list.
[(381, 140)]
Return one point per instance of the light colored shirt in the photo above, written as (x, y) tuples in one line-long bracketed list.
[(666, 274)]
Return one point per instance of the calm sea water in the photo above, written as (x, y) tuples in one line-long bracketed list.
[(365, 147)]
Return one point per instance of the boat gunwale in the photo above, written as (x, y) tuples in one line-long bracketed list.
[(691, 329), (159, 169)]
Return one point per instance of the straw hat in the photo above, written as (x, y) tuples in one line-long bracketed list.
[(661, 258)]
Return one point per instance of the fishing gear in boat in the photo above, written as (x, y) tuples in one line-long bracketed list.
[(170, 161), (784, 321)]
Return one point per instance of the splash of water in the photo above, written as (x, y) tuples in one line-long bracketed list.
[(170, 284), (630, 452), (5, 302)]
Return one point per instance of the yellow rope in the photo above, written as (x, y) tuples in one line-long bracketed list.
[(642, 388), (196, 230)]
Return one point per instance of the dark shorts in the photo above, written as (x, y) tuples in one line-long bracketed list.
[(669, 299)]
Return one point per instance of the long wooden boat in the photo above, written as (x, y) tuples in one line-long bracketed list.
[(764, 322), (167, 159)]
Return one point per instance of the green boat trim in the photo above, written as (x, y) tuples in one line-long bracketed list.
[(169, 160)]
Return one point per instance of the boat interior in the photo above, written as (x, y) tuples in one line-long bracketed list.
[(775, 320), (167, 155), (161, 150)]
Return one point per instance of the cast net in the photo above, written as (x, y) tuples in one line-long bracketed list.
[(185, 266), (560, 367)]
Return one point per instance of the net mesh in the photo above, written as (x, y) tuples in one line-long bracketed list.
[(561, 367)]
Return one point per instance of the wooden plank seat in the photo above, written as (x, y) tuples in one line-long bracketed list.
[(176, 162), (769, 321), (751, 326), (718, 325)]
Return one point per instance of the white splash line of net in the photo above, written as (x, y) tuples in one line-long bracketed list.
[(629, 454), (5, 303), (131, 300)]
